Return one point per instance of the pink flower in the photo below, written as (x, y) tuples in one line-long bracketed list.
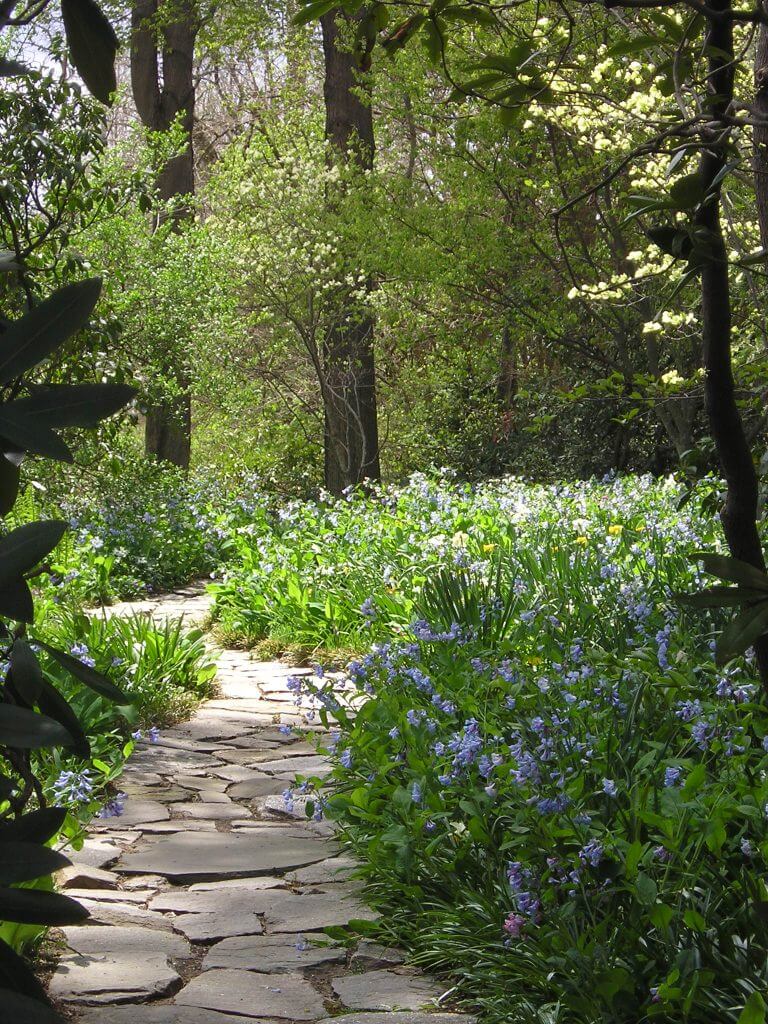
[(514, 925)]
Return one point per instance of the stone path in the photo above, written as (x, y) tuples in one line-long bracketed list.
[(207, 899)]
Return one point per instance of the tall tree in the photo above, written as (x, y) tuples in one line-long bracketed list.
[(162, 78), (349, 373)]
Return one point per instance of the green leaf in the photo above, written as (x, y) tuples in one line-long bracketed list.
[(687, 192), (695, 920), (314, 11), (695, 780), (742, 631), (27, 434), (25, 547), (10, 477), (52, 704), (76, 405), (16, 601), (637, 44), (15, 974), (722, 597), (92, 679), (661, 915), (28, 341), (732, 569), (18, 1007), (12, 68), (400, 35), (673, 241), (632, 858), (27, 730), (26, 675), (754, 1010), (22, 862), (35, 827), (645, 887), (34, 906), (92, 46)]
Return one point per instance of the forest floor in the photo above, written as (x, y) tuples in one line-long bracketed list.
[(207, 897)]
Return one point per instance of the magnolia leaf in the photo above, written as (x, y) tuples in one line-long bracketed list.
[(92, 45), (37, 334), (76, 405), (92, 679), (23, 548)]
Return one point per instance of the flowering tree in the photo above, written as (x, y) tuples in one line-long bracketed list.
[(695, 112)]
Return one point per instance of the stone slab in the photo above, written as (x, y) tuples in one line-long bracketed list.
[(212, 927), (204, 855), (208, 812), (385, 990), (313, 765), (135, 812), (120, 964), (83, 876), (335, 869), (165, 1014), (157, 828), (400, 1018), (127, 913), (288, 996), (270, 954), (255, 788)]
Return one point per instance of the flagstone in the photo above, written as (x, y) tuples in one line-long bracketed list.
[(271, 954), (288, 996), (223, 855), (385, 990)]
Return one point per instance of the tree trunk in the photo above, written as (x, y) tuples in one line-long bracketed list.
[(349, 390), (739, 511), (162, 63), (760, 130)]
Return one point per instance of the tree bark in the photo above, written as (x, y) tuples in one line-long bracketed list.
[(760, 130), (349, 391), (739, 511), (162, 80)]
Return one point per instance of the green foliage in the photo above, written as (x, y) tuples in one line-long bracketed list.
[(338, 574), (557, 798)]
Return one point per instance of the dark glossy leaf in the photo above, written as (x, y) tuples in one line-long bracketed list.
[(92, 45), (24, 432), (23, 862), (12, 68), (25, 547), (27, 730), (52, 704), (15, 974), (35, 827), (29, 340), (732, 569), (722, 597), (673, 241), (93, 679), (16, 601), (78, 405), (33, 906), (16, 1008), (9, 484), (26, 674), (742, 631)]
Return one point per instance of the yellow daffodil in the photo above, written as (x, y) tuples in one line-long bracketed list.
[(582, 540)]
